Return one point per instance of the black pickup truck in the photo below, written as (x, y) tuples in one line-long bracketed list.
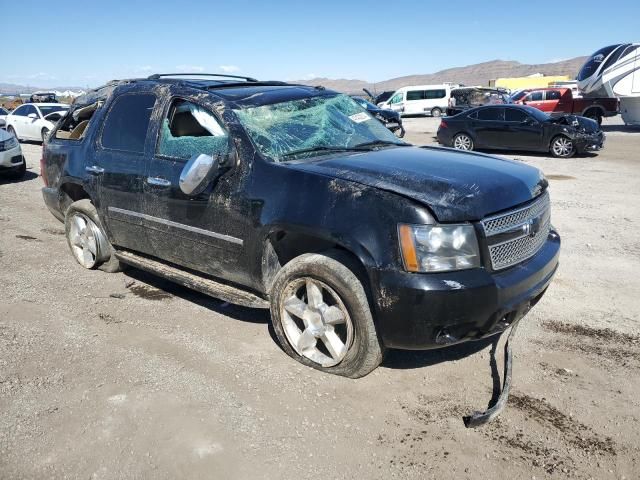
[(295, 198)]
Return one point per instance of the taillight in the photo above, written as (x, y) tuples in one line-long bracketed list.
[(443, 124), (42, 169)]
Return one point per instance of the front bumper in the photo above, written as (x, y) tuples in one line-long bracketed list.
[(589, 143), (424, 311), (11, 159)]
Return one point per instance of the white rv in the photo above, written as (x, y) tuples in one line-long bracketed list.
[(420, 100), (614, 71)]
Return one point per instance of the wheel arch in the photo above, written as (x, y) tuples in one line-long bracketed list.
[(284, 243), (599, 108), (71, 191)]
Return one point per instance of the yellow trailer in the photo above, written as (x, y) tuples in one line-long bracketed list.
[(518, 83)]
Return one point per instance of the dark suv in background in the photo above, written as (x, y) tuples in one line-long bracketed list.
[(295, 198)]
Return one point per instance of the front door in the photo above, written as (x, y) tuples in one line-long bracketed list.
[(522, 131), (534, 99), (117, 169), (194, 231)]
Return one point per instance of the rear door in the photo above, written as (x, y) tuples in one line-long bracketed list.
[(198, 231), (489, 127), (553, 103), (117, 169)]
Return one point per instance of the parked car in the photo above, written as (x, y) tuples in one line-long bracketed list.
[(560, 101), (295, 199), (466, 98), (518, 127), (389, 118), (419, 100), (12, 162), (34, 121), (3, 117)]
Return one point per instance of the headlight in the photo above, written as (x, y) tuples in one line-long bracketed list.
[(8, 144), (438, 248)]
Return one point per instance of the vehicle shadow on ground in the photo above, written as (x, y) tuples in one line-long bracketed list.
[(27, 176), (525, 153), (621, 128), (251, 315), (410, 359)]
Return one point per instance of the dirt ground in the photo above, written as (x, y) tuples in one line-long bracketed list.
[(127, 376)]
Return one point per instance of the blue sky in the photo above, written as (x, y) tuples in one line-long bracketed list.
[(84, 43)]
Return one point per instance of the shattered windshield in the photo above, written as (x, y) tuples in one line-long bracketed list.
[(313, 125)]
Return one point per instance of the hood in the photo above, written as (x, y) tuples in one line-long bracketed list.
[(581, 124), (456, 186), (388, 115)]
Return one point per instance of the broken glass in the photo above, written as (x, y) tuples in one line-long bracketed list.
[(312, 125)]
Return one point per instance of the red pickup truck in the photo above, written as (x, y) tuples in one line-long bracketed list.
[(559, 101)]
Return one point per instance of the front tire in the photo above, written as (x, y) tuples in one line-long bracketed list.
[(562, 147), (463, 142), (321, 315), (87, 240)]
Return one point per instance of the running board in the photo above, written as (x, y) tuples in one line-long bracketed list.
[(204, 285)]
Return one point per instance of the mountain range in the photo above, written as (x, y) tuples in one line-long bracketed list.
[(478, 74)]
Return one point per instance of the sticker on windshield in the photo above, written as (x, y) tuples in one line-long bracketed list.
[(359, 117)]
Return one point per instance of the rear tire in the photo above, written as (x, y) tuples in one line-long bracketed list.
[(322, 317), (86, 238), (562, 147), (436, 112), (463, 142), (594, 115)]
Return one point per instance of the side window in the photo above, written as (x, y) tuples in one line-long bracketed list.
[(514, 115), (127, 122), (415, 95), (534, 97), (397, 98), (553, 95), (29, 109), (434, 94), (20, 111), (191, 130), (75, 124), (491, 114), (473, 115)]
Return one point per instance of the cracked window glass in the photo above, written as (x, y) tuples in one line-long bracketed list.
[(191, 130), (310, 125)]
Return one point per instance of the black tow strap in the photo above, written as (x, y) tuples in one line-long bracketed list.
[(480, 418)]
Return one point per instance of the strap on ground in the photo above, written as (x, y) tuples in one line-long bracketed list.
[(480, 418)]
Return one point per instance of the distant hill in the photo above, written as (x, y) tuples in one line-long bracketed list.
[(478, 74), (12, 89)]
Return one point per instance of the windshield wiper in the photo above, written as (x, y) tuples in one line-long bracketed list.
[(379, 143), (320, 148)]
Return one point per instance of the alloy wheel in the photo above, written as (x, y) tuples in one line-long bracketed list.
[(562, 147), (316, 321), (462, 142), (86, 240)]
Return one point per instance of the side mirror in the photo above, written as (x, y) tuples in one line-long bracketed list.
[(198, 173), (32, 115)]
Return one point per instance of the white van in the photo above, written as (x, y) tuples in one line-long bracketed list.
[(420, 99)]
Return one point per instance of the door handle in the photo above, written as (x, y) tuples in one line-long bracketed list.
[(158, 182), (95, 170)]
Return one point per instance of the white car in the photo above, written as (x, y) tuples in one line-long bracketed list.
[(34, 121), (3, 117), (11, 159)]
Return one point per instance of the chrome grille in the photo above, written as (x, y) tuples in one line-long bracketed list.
[(515, 236)]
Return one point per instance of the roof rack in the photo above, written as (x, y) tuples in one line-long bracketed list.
[(158, 76)]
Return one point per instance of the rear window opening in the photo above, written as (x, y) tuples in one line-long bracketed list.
[(75, 125)]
